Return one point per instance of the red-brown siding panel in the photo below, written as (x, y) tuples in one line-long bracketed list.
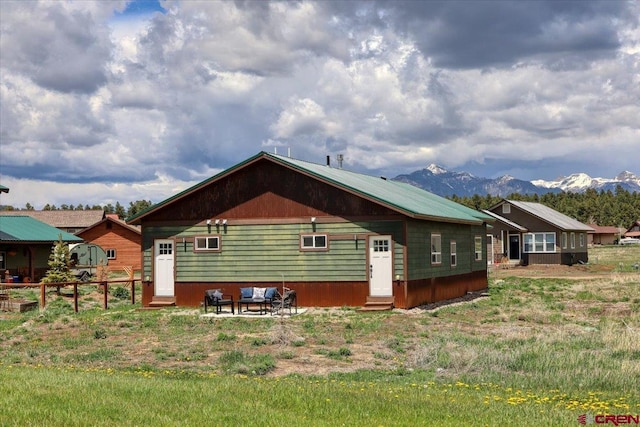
[(426, 291), (266, 190)]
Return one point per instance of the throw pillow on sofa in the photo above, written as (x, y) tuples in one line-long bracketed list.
[(258, 293), (270, 293)]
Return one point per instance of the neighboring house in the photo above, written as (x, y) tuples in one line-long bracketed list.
[(603, 235), (532, 233), (25, 246), (120, 241), (66, 220), (634, 230), (336, 237), (503, 240)]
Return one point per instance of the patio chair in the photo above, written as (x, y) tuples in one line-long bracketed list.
[(288, 301), (215, 298)]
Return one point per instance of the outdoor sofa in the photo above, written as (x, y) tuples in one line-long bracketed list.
[(256, 296)]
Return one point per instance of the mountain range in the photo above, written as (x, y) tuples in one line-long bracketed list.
[(442, 182)]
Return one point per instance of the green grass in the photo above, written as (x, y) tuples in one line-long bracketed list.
[(618, 258), (103, 397), (538, 351)]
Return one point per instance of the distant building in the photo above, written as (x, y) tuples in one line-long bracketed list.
[(532, 233), (66, 220), (120, 241), (603, 235), (634, 230), (25, 246)]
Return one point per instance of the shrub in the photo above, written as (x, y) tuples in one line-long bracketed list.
[(121, 293)]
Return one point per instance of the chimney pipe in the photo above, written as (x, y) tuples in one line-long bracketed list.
[(328, 160)]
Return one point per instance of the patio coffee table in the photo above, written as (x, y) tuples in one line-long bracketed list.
[(260, 302)]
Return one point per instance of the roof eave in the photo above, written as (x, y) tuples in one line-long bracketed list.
[(136, 219)]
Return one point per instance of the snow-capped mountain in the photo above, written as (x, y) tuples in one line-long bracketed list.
[(579, 182), (438, 180)]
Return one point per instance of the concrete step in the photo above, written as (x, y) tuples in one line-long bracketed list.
[(378, 304), (387, 307), (162, 302)]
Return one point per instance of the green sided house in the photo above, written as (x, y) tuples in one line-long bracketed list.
[(336, 237), (25, 246)]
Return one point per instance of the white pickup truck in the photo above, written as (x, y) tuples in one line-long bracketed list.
[(629, 241)]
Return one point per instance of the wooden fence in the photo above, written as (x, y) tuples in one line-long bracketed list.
[(102, 283)]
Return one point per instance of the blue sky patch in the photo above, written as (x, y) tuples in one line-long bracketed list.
[(142, 7)]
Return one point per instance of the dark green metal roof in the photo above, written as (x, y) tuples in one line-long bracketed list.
[(401, 197), (20, 228), (4, 189)]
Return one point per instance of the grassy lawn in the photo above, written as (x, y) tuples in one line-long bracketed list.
[(537, 351)]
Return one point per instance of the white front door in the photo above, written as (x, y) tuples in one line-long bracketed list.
[(163, 268), (380, 266)]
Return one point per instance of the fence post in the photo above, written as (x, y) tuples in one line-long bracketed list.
[(75, 297), (104, 285), (133, 286), (43, 294)]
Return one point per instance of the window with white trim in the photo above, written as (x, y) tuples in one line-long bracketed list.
[(540, 242), (206, 243), (564, 240), (573, 240), (506, 208), (313, 242), (436, 249), (478, 248), (111, 253), (454, 253), (581, 235)]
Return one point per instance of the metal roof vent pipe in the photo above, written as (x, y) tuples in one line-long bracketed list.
[(329, 161)]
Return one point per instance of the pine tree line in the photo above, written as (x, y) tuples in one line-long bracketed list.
[(618, 208), (134, 208)]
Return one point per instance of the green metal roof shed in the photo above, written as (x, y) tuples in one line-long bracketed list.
[(24, 229)]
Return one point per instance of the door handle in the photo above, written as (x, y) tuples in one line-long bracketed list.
[(371, 271)]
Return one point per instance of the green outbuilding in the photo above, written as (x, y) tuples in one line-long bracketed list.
[(25, 246), (337, 237)]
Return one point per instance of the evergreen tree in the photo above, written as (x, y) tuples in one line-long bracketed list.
[(138, 206), (120, 210), (59, 264)]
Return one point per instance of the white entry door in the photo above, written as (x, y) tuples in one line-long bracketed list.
[(380, 266), (163, 268)]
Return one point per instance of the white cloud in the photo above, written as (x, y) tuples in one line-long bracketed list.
[(130, 104)]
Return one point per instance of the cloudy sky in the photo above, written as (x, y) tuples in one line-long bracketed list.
[(111, 101)]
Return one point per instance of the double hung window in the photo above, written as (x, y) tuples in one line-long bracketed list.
[(540, 242)]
